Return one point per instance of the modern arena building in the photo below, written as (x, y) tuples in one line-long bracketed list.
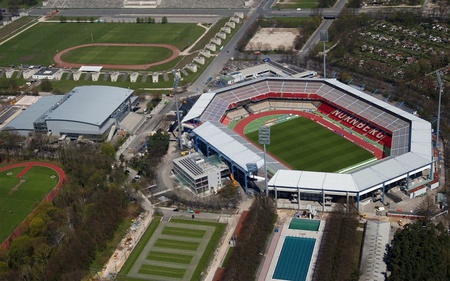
[(88, 111), (407, 152)]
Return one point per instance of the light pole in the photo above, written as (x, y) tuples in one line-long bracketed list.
[(438, 74), (324, 39), (264, 138), (175, 86)]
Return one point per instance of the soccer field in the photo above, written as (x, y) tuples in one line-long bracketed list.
[(305, 145), (18, 197), (39, 44)]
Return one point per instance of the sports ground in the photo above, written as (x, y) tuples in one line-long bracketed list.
[(303, 144), (40, 43), (175, 250), (22, 187)]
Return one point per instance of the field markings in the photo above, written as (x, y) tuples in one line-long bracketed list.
[(148, 269)]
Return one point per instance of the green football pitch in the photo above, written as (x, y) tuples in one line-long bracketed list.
[(117, 55), (40, 43), (305, 145), (18, 197)]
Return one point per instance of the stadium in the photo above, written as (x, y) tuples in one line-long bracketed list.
[(400, 141)]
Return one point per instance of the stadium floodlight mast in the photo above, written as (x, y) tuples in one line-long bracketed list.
[(264, 138), (324, 39), (438, 74), (175, 86)]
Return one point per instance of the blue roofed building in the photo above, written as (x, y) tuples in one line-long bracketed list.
[(88, 111)]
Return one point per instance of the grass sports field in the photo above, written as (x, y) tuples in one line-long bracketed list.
[(305, 145), (175, 250), (117, 55), (40, 43), (19, 196)]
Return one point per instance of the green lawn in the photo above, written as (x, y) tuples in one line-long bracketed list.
[(162, 271), (305, 145), (176, 244), (18, 199), (178, 231), (40, 43), (117, 55), (169, 257)]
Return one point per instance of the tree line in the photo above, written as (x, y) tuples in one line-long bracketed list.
[(250, 246), (339, 246)]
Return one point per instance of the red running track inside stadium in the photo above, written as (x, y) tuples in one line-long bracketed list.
[(239, 128)]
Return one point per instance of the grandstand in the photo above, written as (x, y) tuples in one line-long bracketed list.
[(76, 4), (98, 4), (405, 138)]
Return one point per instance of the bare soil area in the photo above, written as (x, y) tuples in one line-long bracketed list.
[(267, 39)]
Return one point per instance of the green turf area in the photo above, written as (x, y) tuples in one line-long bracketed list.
[(255, 124), (39, 44), (18, 197), (117, 55), (305, 145), (297, 4), (162, 271), (169, 257), (176, 244), (178, 231)]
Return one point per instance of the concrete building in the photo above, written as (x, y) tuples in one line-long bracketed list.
[(199, 173), (89, 111)]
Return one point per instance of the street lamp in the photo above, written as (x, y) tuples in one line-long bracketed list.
[(264, 138), (324, 39), (438, 74)]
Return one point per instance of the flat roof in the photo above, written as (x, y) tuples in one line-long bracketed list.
[(87, 68), (25, 120), (90, 104)]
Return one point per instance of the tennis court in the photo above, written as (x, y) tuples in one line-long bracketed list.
[(294, 259), (304, 224)]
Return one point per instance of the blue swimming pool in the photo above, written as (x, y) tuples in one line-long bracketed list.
[(304, 224), (294, 259)]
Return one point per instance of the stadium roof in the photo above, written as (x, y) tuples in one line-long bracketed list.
[(24, 121), (373, 266), (411, 149), (90, 104)]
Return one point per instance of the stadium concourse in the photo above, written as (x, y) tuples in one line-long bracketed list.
[(405, 139)]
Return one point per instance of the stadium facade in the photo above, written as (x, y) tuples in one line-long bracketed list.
[(88, 111), (406, 139)]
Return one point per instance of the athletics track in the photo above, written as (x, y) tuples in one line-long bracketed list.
[(175, 53), (27, 165), (239, 128)]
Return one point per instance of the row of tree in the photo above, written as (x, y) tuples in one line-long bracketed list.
[(250, 246), (339, 246)]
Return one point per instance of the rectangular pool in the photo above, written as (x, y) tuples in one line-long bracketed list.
[(304, 224)]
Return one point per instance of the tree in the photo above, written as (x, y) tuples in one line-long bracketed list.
[(164, 19), (19, 251), (46, 85), (37, 227)]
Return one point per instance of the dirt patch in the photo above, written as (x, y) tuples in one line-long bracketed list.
[(273, 38), (15, 188)]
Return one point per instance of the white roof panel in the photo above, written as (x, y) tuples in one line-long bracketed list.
[(199, 106), (87, 68)]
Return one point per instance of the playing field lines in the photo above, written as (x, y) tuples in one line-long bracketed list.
[(173, 252)]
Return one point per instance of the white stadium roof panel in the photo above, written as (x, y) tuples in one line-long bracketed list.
[(90, 68), (199, 106)]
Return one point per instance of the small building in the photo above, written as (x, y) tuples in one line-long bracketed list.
[(46, 73), (201, 174)]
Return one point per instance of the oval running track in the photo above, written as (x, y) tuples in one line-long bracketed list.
[(61, 63)]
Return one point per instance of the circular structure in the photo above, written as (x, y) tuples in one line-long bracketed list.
[(61, 63)]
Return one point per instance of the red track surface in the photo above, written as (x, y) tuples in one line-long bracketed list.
[(61, 63), (239, 128), (27, 165)]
